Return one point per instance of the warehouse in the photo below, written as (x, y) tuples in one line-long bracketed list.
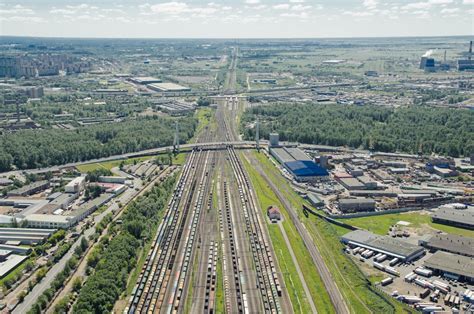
[(351, 183), (348, 205), (281, 155), (315, 200), (452, 266), (306, 171), (168, 87), (24, 235), (76, 185), (89, 207), (143, 80), (368, 182), (383, 244), (11, 262), (463, 218), (49, 221), (451, 243), (30, 189)]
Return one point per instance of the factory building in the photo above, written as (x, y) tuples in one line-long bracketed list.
[(144, 80), (452, 266), (463, 218), (351, 183), (306, 171), (49, 221), (76, 185), (29, 189), (467, 64), (450, 243), (348, 205), (393, 247), (168, 87), (315, 200), (10, 262), (24, 235)]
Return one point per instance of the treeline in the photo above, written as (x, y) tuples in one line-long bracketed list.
[(431, 129), (40, 148), (119, 255)]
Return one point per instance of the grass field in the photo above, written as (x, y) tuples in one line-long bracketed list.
[(381, 224), (266, 197), (110, 164), (357, 290)]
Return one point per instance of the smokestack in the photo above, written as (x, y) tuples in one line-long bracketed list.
[(470, 50), (18, 112), (445, 57)]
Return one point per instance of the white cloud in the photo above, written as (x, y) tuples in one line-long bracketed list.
[(440, 1), (300, 15), (449, 10), (300, 7), (416, 6), (468, 2), (282, 6), (370, 4), (17, 9), (170, 8), (252, 1), (297, 1), (358, 13)]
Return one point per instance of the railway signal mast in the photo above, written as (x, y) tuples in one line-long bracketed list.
[(257, 134), (176, 138)]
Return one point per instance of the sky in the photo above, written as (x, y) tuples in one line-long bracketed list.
[(236, 18)]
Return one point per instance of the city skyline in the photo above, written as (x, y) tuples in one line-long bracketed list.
[(236, 19)]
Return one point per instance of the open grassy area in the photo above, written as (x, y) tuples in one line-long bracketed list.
[(381, 224), (110, 164), (266, 197), (359, 293)]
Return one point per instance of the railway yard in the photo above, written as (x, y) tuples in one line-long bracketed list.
[(212, 218)]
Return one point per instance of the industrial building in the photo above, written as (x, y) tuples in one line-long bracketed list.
[(274, 139), (463, 218), (306, 171), (467, 64), (24, 235), (452, 266), (144, 80), (10, 262), (168, 87), (76, 185), (315, 200), (450, 243), (393, 247), (174, 107), (356, 205), (273, 213), (351, 183), (29, 189)]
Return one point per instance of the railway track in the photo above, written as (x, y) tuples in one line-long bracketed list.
[(180, 222)]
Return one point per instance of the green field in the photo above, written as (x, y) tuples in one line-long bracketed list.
[(381, 224), (110, 164), (266, 197), (359, 293)]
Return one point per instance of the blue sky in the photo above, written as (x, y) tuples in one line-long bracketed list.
[(236, 18)]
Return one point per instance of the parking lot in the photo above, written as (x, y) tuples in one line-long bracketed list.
[(413, 289)]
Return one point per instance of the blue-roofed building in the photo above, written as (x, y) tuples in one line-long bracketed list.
[(306, 170)]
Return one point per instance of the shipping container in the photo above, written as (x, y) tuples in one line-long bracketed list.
[(423, 272), (387, 281), (425, 293)]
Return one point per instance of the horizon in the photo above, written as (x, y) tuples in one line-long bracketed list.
[(246, 19)]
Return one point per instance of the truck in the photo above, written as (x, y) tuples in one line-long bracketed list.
[(386, 281), (393, 262), (380, 258), (410, 277), (423, 272), (379, 266), (392, 271), (425, 293)]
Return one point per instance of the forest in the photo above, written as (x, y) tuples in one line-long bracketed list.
[(409, 129), (28, 149), (120, 252)]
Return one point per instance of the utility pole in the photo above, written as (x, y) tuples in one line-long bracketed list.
[(257, 135), (176, 137)]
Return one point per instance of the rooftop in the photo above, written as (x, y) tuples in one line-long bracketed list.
[(453, 263), (382, 243), (464, 216), (305, 168), (453, 243)]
